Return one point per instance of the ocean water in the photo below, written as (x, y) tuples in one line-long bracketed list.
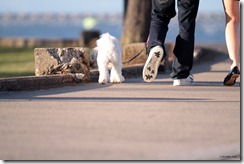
[(209, 27)]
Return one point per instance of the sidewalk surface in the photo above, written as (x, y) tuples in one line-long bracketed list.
[(129, 121)]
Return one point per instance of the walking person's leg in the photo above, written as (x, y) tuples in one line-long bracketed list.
[(185, 42), (232, 12), (162, 12)]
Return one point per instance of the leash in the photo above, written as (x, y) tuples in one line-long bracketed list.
[(135, 56)]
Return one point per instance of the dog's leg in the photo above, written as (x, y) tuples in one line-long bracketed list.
[(103, 73), (113, 75), (116, 73)]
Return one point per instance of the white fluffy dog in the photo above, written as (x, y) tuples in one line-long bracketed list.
[(109, 56)]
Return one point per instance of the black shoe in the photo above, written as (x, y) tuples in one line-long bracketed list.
[(230, 79)]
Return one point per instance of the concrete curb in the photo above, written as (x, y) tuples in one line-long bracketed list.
[(127, 71), (36, 82), (203, 54), (54, 81)]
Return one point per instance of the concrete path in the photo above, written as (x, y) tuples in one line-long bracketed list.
[(130, 121)]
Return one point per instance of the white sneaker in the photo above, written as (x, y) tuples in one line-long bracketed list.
[(154, 59), (184, 82)]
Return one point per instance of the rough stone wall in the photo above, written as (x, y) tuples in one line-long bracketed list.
[(51, 61)]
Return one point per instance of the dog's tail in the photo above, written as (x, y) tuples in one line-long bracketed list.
[(106, 40)]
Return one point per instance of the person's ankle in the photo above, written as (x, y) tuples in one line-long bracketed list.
[(233, 66)]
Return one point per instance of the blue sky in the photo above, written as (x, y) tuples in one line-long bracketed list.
[(93, 6)]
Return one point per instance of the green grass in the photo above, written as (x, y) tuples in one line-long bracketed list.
[(16, 62)]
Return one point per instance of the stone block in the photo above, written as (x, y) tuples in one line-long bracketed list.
[(51, 61), (131, 50)]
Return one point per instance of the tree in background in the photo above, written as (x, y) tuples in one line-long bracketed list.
[(125, 7), (137, 21)]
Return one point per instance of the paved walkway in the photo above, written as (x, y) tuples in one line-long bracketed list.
[(130, 121)]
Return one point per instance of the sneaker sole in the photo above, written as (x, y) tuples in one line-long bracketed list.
[(154, 59), (184, 82)]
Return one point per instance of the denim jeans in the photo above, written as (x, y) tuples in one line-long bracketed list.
[(162, 12)]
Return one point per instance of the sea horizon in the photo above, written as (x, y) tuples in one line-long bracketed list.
[(209, 27)]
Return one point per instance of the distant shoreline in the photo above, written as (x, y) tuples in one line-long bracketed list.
[(210, 27)]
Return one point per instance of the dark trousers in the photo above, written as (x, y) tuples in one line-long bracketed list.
[(162, 12)]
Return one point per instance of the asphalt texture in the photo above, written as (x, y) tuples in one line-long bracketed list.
[(134, 120)]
